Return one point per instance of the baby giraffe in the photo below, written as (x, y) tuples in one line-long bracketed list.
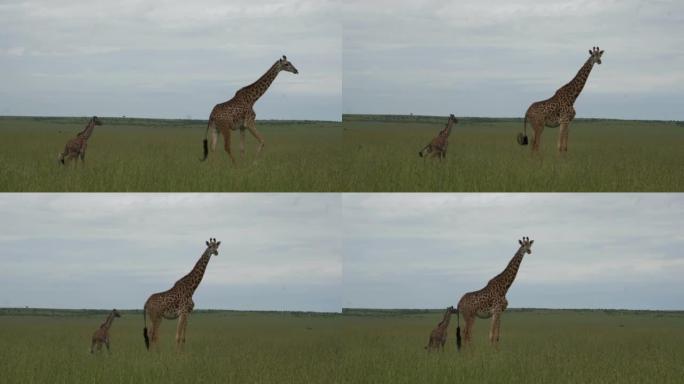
[(438, 335), (101, 336)]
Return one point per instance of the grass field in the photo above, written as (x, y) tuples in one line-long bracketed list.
[(359, 346), (542, 346), (221, 347), (126, 155), (381, 154)]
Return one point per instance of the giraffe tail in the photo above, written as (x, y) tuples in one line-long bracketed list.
[(147, 339), (205, 143), (458, 331)]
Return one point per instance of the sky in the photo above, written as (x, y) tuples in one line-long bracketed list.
[(620, 251), (278, 251), (167, 59), (494, 58)]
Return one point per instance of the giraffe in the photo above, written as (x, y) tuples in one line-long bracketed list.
[(438, 335), (559, 110), (238, 112), (490, 301), (438, 145), (76, 147), (177, 301), (101, 335)]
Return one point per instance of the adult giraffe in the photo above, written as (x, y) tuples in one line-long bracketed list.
[(490, 301), (177, 301), (238, 112), (559, 110)]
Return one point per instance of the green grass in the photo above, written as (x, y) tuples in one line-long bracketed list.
[(130, 155), (221, 347), (358, 346), (381, 154), (542, 346)]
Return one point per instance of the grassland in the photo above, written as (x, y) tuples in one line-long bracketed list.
[(358, 346), (381, 154), (221, 347), (145, 155), (538, 346)]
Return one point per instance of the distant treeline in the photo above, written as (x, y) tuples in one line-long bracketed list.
[(401, 312), (143, 121), (89, 312), (466, 119)]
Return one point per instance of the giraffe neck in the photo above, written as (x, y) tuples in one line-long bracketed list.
[(447, 130), (254, 91), (108, 322), (505, 279), (575, 86), (87, 131), (192, 280), (447, 317)]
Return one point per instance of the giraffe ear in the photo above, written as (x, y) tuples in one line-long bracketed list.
[(520, 242), (601, 52), (219, 243), (531, 242), (284, 57), (207, 243)]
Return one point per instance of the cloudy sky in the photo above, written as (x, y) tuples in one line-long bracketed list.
[(278, 251), (590, 250), (494, 58), (170, 59)]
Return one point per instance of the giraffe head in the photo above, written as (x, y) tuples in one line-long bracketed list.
[(451, 309), (212, 246), (595, 55), (116, 313), (526, 245), (285, 65), (96, 120)]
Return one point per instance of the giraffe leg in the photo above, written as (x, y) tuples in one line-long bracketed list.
[(494, 330), (563, 137), (214, 137), (226, 144), (242, 143), (154, 335), (538, 128), (469, 322), (251, 125), (106, 341), (180, 330), (92, 346)]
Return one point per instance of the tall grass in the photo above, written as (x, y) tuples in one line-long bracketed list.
[(126, 155), (220, 348), (535, 347), (381, 154)]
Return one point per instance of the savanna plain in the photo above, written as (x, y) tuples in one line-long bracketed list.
[(52, 346), (151, 155), (536, 346), (381, 154), (356, 346)]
